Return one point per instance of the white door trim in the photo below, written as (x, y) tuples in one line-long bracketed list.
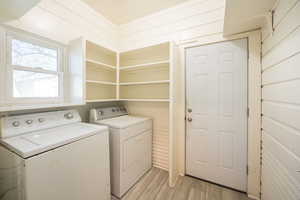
[(254, 104)]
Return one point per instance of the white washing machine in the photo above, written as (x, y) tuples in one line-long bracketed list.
[(130, 146), (53, 155)]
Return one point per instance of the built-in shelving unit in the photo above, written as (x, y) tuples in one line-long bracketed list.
[(141, 74), (101, 73), (145, 73), (143, 80)]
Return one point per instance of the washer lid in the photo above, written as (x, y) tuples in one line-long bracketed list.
[(123, 121), (40, 141)]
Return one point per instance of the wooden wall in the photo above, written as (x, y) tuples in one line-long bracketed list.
[(65, 20), (281, 104), (189, 20)]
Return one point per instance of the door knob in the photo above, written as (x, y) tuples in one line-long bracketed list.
[(189, 119), (190, 110)]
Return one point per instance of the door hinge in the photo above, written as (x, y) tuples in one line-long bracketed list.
[(247, 170), (248, 112)]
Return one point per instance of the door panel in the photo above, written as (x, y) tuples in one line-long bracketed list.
[(216, 78)]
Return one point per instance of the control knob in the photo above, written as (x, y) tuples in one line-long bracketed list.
[(68, 115), (41, 120), (29, 121), (16, 124)]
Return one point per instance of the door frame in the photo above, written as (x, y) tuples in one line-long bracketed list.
[(247, 95), (254, 105)]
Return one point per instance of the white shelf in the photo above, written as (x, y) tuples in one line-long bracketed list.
[(101, 64), (145, 65), (149, 100), (101, 82), (101, 100), (146, 83)]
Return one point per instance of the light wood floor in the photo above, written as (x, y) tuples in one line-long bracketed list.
[(154, 186)]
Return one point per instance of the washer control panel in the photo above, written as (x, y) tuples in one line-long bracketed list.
[(21, 124)]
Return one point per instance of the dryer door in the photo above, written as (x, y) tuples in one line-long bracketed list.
[(136, 158)]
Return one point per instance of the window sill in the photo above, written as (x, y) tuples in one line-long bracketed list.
[(32, 107)]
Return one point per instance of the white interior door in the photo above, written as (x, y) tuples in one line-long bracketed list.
[(216, 78)]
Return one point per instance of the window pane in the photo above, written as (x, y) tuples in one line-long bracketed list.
[(29, 55), (32, 84)]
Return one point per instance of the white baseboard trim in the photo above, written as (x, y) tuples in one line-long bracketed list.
[(253, 197), (114, 198)]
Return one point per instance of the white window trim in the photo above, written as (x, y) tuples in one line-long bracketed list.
[(10, 100)]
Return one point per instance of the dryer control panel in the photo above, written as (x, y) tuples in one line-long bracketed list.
[(106, 113)]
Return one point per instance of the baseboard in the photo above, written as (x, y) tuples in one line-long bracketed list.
[(253, 197), (114, 198)]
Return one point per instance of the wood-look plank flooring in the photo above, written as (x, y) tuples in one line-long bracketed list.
[(154, 186)]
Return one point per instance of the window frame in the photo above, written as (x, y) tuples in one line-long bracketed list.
[(10, 99)]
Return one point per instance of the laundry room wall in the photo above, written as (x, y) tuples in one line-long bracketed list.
[(281, 104), (186, 21), (65, 20)]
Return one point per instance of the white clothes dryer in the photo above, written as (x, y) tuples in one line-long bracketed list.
[(130, 146)]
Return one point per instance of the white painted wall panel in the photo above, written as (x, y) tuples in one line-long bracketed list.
[(288, 24), (273, 170), (172, 15), (282, 92), (290, 163), (284, 113), (282, 9), (287, 70), (287, 48), (288, 136), (193, 19), (281, 104), (65, 20)]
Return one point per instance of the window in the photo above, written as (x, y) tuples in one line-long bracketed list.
[(35, 70)]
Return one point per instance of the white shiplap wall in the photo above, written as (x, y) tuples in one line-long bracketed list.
[(189, 20), (159, 112), (65, 20), (281, 104)]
